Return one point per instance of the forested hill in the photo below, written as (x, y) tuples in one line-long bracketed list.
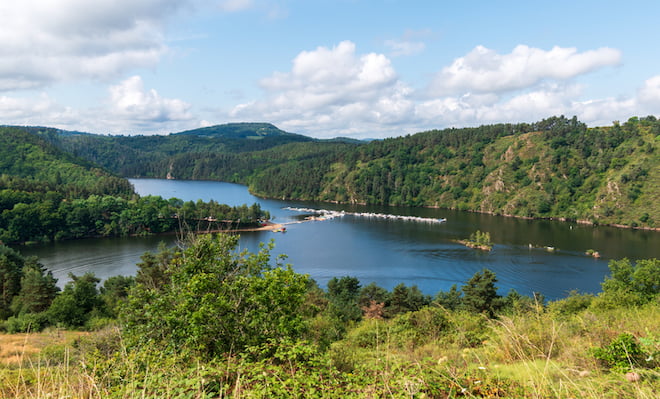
[(29, 162), (555, 168), (245, 130), (154, 155), (48, 194)]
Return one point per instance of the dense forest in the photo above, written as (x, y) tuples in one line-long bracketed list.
[(554, 168), (47, 194)]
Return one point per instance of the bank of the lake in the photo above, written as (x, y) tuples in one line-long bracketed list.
[(386, 251)]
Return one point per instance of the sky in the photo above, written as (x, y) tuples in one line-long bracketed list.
[(325, 68)]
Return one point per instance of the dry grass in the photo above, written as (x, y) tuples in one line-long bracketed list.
[(17, 349), (37, 365), (532, 355)]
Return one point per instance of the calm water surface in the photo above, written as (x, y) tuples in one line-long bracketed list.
[(385, 251)]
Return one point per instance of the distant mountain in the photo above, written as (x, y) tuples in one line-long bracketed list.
[(243, 130)]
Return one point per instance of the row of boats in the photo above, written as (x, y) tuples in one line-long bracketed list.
[(325, 214)]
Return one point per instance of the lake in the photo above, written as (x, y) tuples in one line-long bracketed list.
[(387, 251)]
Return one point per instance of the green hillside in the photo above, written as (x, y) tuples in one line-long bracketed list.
[(29, 158), (245, 130), (48, 194), (554, 168), (152, 156)]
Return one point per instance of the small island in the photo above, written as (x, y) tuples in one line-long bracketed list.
[(592, 252), (478, 240)]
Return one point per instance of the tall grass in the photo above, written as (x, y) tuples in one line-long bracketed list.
[(429, 353)]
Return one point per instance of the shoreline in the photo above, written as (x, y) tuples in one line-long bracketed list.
[(551, 218)]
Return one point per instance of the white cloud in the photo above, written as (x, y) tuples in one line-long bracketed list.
[(649, 94), (40, 111), (131, 102), (53, 41), (337, 92), (332, 91), (129, 109), (484, 70)]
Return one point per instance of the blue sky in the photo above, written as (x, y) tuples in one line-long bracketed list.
[(363, 69)]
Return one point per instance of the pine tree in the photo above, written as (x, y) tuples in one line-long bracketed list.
[(480, 294)]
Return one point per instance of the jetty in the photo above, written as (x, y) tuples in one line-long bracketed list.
[(325, 214)]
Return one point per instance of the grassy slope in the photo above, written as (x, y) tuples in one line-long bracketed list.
[(533, 354)]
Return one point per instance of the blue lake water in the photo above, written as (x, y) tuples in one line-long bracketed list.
[(385, 251)]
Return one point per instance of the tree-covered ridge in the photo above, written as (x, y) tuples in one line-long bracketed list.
[(153, 156), (554, 168), (28, 161), (244, 130), (47, 194)]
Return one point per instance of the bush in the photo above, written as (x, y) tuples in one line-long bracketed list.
[(423, 326), (216, 301), (572, 304), (630, 284), (28, 322), (622, 354)]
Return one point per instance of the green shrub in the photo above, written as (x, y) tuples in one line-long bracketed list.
[(630, 284), (622, 354), (370, 333), (572, 304), (425, 325), (29, 322), (216, 301)]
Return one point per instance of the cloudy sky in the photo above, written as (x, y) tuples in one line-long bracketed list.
[(324, 68)]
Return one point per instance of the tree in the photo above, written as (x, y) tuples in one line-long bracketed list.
[(38, 289), (449, 300), (114, 292), (75, 305), (11, 265), (153, 270), (373, 292), (343, 296), (630, 284), (480, 294), (406, 299), (217, 301)]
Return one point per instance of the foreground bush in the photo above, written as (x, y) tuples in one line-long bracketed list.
[(214, 301)]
